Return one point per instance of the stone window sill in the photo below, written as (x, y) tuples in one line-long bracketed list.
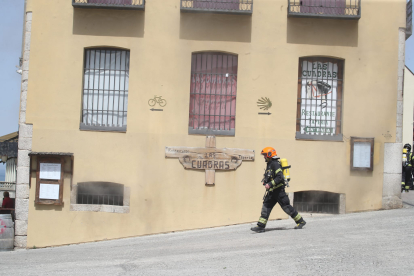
[(99, 208)]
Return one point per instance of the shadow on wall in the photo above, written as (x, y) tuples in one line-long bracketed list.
[(215, 27), (41, 207), (101, 22), (329, 32)]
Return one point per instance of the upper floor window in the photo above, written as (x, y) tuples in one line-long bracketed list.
[(349, 9), (218, 6), (213, 93), (105, 89), (110, 4), (319, 106)]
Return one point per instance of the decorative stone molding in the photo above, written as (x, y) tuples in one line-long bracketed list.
[(25, 146), (391, 186)]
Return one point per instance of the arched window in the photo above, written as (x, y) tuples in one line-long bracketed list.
[(213, 93), (105, 89), (319, 105)]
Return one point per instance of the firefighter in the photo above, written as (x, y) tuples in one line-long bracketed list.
[(407, 168), (275, 187)]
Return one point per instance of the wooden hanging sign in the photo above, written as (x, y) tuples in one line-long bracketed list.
[(210, 158)]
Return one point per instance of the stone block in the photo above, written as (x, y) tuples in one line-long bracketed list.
[(398, 134), (25, 144), (291, 198), (28, 26), (25, 131), (25, 66), (20, 241), (391, 202), (399, 120), (22, 175), (401, 66), (22, 117), (23, 98), (27, 39), (73, 194), (26, 56), (342, 203), (401, 50), (127, 196), (23, 158), (391, 185), (25, 75), (99, 208), (400, 107), (21, 228), (392, 157), (28, 16), (21, 208), (121, 209), (22, 214), (400, 84), (22, 191), (400, 96)]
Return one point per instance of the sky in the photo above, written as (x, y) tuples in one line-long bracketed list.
[(11, 27)]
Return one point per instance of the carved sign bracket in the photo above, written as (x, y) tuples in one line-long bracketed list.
[(210, 158)]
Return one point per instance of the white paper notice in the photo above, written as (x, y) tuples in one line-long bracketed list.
[(49, 191), (50, 171), (362, 155)]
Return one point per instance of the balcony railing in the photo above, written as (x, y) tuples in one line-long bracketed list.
[(409, 27), (7, 186), (338, 9), (218, 6), (110, 4)]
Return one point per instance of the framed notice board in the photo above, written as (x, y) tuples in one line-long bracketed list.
[(362, 153), (49, 180)]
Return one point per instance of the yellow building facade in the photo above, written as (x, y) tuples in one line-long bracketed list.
[(317, 84)]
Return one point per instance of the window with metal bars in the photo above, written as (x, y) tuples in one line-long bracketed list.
[(319, 104), (105, 89), (100, 193), (213, 91), (316, 202)]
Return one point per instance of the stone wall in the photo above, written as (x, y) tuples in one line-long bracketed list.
[(25, 147), (391, 189)]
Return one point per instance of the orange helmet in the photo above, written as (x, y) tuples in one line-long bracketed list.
[(269, 152)]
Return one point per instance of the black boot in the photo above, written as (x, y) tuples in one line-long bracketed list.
[(258, 229), (300, 224)]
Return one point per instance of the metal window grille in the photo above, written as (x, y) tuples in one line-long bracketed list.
[(132, 3), (100, 193), (218, 5), (105, 89), (316, 202), (213, 93), (319, 99), (322, 8), (409, 18)]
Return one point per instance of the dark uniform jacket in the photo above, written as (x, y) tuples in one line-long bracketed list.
[(274, 169)]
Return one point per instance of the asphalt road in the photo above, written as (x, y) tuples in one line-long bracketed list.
[(368, 243)]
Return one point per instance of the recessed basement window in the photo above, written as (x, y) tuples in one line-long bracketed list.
[(100, 196), (316, 202), (101, 193)]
